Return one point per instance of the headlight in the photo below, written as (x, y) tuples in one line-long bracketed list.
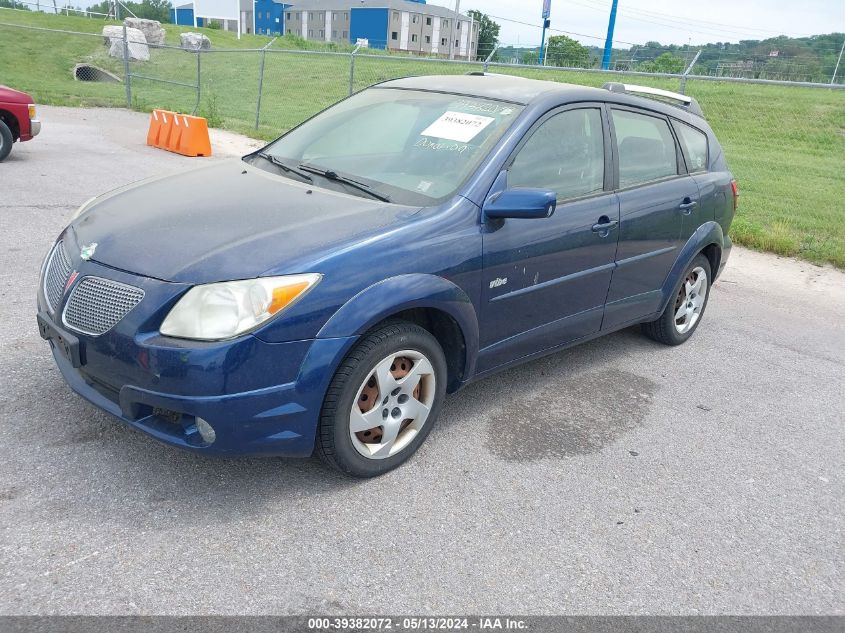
[(222, 310), (82, 209)]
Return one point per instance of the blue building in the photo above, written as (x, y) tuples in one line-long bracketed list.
[(184, 15), (270, 17)]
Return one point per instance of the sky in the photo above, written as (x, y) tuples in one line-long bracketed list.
[(665, 21)]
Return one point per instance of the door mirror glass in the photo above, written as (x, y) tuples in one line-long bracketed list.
[(521, 203)]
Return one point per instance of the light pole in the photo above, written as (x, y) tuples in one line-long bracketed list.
[(608, 43), (452, 30)]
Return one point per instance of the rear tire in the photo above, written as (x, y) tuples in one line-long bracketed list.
[(6, 140), (383, 400), (685, 310)]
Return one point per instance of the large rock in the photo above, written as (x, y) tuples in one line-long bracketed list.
[(195, 41), (151, 29), (137, 43), (110, 33)]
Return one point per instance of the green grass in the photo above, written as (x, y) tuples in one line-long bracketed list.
[(785, 144)]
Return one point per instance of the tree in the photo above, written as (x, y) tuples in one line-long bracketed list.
[(149, 9), (152, 10), (564, 51), (665, 63), (12, 4), (102, 7), (488, 33), (529, 57)]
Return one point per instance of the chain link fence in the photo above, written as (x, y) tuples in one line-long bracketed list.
[(785, 141)]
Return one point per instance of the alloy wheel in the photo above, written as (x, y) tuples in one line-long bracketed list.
[(690, 300)]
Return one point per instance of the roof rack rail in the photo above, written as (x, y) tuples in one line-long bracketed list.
[(684, 101)]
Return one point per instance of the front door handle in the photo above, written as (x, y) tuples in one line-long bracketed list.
[(604, 226), (687, 205)]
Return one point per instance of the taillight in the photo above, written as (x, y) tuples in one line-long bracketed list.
[(735, 192)]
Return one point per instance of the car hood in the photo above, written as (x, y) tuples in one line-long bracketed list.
[(10, 95), (227, 221)]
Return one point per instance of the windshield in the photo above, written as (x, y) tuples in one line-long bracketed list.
[(413, 147)]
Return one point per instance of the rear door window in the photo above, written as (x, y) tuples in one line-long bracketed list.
[(645, 146)]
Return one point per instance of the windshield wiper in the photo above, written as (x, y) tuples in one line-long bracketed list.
[(333, 175), (279, 163)]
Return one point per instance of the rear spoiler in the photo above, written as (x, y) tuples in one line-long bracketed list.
[(682, 101)]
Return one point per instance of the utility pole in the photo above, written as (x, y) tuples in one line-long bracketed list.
[(452, 30), (608, 43), (842, 50)]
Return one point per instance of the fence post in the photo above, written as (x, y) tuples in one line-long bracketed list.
[(687, 71), (352, 69), (490, 56), (127, 78), (836, 69), (199, 80), (260, 86)]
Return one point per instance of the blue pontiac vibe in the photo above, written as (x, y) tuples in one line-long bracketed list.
[(323, 294)]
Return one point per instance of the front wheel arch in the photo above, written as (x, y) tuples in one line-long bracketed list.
[(434, 303), (12, 123)]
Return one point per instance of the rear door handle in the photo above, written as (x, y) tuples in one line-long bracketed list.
[(604, 225), (687, 206)]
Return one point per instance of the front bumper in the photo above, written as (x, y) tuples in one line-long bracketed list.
[(260, 398), (34, 128), (280, 420)]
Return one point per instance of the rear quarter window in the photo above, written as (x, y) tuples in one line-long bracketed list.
[(694, 143)]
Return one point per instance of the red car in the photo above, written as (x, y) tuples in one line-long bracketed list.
[(17, 119)]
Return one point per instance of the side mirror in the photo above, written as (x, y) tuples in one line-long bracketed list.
[(521, 203)]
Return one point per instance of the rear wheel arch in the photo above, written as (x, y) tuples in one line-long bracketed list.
[(713, 253), (706, 240)]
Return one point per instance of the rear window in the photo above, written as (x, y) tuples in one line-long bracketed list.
[(694, 143)]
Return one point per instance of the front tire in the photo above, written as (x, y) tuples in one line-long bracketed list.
[(685, 310), (383, 400), (6, 140)]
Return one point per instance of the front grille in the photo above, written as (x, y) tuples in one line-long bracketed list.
[(96, 305), (56, 275)]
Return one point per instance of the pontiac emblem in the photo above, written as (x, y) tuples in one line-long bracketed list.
[(87, 252)]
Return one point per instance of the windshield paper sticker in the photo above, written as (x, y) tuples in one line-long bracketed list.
[(484, 106), (441, 147), (457, 126)]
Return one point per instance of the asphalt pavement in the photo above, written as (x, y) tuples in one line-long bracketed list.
[(618, 477)]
